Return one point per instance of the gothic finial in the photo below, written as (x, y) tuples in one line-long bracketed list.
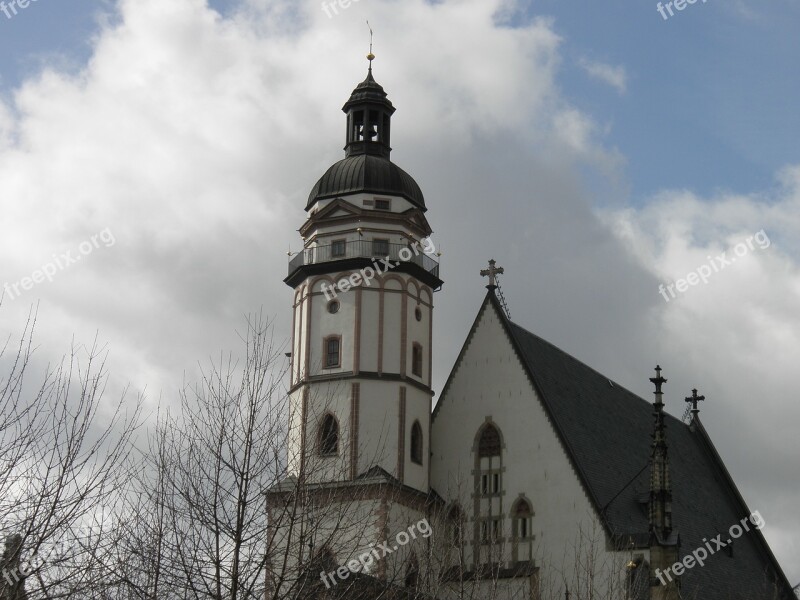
[(694, 399), (660, 504), (492, 272), (658, 381)]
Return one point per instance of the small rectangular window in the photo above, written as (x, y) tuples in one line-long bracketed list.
[(368, 203), (484, 484), (338, 248), (332, 354), (496, 529), (383, 204), (496, 483), (380, 248)]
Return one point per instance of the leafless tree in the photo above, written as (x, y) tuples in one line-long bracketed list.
[(62, 453)]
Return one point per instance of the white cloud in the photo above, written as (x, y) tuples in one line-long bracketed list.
[(196, 140), (615, 76)]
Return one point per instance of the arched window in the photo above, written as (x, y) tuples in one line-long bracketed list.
[(329, 436), (521, 515), (490, 525), (416, 443), (412, 573), (489, 444)]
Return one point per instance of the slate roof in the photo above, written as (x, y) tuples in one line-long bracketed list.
[(366, 173), (607, 432)]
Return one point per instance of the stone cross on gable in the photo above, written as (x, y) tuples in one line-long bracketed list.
[(694, 399), (492, 272)]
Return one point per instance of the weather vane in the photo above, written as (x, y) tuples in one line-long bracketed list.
[(370, 56)]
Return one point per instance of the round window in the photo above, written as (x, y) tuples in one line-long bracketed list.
[(418, 313), (333, 307)]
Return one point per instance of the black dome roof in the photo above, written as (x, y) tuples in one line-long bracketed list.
[(366, 173)]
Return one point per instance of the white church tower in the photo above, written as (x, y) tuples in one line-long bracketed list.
[(360, 395)]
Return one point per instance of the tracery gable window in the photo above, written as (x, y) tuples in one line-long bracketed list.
[(489, 444), (490, 517), (329, 436)]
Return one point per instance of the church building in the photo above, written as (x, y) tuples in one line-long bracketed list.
[(534, 477)]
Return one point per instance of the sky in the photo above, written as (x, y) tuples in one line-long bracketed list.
[(596, 150)]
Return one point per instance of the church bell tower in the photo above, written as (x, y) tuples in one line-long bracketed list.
[(362, 313)]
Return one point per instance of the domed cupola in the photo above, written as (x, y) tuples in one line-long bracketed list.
[(366, 166)]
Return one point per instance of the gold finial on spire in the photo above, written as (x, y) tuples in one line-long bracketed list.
[(370, 56)]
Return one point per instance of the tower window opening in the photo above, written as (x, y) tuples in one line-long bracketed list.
[(372, 127), (338, 248), (416, 360), (332, 352), (412, 573), (329, 436), (358, 126), (383, 204), (386, 121), (380, 248), (416, 443)]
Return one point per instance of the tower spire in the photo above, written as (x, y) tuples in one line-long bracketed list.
[(660, 505)]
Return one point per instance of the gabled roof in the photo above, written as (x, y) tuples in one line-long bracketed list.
[(606, 431)]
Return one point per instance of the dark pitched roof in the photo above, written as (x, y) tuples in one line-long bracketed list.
[(606, 430)]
